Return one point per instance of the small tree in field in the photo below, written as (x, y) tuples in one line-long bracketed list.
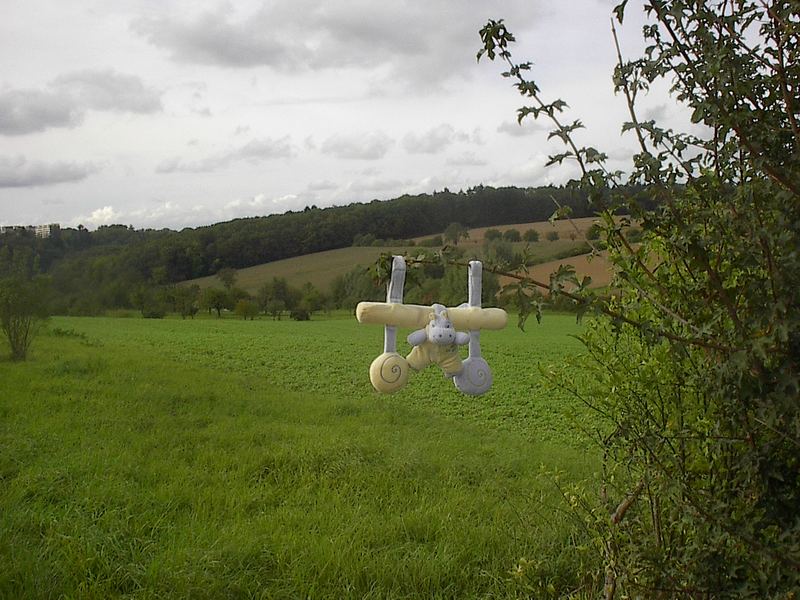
[(228, 277), (551, 236), (246, 308), (455, 232), (695, 374), (531, 235), (492, 234), (23, 307), (215, 299)]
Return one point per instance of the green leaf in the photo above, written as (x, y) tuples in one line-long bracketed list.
[(619, 11)]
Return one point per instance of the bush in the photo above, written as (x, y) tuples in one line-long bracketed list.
[(246, 308), (694, 376), (531, 235), (23, 308), (300, 314), (593, 233), (512, 235), (492, 234), (552, 236)]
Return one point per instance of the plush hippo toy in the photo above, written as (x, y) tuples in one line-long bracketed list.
[(437, 344)]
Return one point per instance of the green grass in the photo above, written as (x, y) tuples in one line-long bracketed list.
[(225, 459)]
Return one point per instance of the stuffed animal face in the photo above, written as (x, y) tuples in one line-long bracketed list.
[(441, 333), (440, 330)]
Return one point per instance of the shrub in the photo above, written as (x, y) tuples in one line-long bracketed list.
[(246, 308), (492, 234), (531, 235), (694, 376), (23, 307), (300, 314), (593, 233)]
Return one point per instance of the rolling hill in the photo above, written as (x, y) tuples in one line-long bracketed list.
[(321, 268)]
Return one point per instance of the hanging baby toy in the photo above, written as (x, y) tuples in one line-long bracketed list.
[(436, 337)]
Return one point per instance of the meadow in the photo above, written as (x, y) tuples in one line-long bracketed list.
[(222, 459)]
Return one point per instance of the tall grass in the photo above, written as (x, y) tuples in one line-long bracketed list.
[(208, 460)]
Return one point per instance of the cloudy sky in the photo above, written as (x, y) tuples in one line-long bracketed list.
[(176, 113)]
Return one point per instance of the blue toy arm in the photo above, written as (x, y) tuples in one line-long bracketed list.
[(417, 337), (462, 338)]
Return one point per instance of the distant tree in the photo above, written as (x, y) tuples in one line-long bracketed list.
[(237, 293), (531, 235), (489, 289), (492, 234), (499, 252), (216, 299), (300, 313), (311, 298), (227, 276), (363, 239), (512, 235), (594, 231), (552, 236), (186, 300), (23, 307), (455, 232), (247, 309), (354, 286), (275, 308), (277, 290), (150, 300), (453, 290)]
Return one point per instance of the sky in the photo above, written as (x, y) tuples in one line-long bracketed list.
[(182, 113)]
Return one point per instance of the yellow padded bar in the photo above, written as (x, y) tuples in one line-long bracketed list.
[(415, 316)]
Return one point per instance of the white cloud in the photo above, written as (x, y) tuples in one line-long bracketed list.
[(254, 151), (214, 38), (422, 45), (655, 113), (28, 111), (375, 184), (101, 216), (20, 172), (528, 126), (322, 186), (108, 90), (432, 141), (366, 146), (66, 99), (467, 159)]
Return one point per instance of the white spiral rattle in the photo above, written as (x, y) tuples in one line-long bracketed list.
[(389, 372)]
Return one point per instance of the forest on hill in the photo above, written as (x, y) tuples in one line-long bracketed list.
[(91, 271)]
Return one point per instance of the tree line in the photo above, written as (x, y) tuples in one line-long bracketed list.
[(92, 271)]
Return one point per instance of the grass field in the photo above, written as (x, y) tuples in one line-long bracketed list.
[(320, 268), (225, 459)]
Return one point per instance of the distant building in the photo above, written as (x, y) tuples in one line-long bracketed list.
[(40, 231), (45, 231)]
